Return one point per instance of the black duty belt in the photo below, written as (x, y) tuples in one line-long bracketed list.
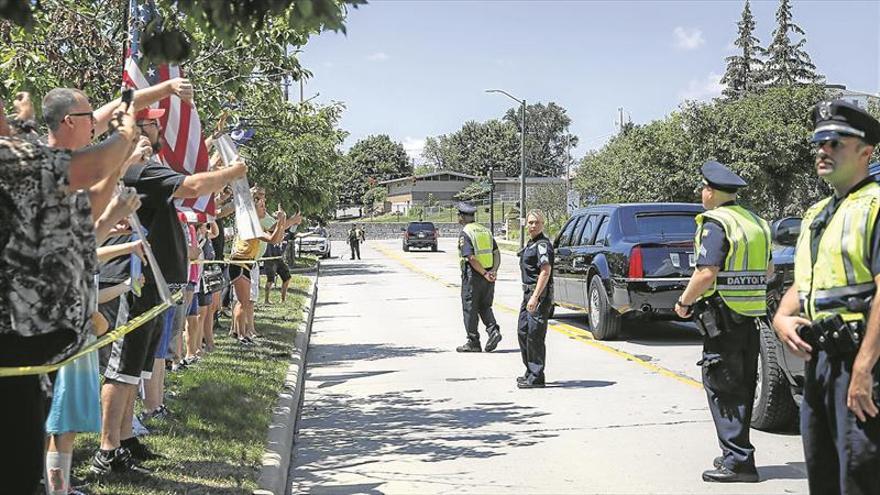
[(527, 287)]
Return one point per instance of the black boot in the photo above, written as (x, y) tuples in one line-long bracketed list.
[(494, 339), (723, 474), (469, 346)]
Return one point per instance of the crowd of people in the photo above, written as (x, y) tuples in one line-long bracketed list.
[(76, 190)]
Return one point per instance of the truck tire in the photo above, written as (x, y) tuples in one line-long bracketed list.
[(774, 408), (405, 247), (434, 248), (604, 320)]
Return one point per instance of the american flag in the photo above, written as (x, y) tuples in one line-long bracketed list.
[(183, 147)]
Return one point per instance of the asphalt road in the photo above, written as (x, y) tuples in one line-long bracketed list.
[(390, 407)]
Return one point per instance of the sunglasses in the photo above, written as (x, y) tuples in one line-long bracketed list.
[(834, 144), (83, 114)]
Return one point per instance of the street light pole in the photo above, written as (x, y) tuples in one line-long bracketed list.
[(522, 170)]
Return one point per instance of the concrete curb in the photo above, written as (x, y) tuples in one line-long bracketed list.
[(282, 427)]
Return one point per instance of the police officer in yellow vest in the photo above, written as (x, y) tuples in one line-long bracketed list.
[(831, 315), (480, 260), (725, 295)]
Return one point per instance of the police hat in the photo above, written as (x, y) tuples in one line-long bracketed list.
[(466, 209), (836, 118), (718, 176)]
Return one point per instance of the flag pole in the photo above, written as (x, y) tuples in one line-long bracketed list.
[(127, 34)]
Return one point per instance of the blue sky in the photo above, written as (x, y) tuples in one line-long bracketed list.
[(413, 69)]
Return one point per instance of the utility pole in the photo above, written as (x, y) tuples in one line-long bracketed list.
[(522, 180), (301, 89)]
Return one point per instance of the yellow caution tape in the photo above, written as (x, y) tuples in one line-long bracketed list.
[(105, 339), (233, 262)]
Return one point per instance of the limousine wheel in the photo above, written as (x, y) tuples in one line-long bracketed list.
[(604, 320), (774, 407)]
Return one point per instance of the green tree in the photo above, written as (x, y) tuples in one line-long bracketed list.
[(371, 160), (224, 20), (787, 62), (374, 195), (294, 152), (745, 69), (764, 137), (551, 199), (548, 142), (475, 148), (474, 191)]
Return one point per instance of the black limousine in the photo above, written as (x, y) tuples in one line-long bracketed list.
[(625, 260)]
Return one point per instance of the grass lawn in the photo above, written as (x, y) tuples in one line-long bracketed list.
[(213, 441)]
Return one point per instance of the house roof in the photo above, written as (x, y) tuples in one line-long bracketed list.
[(424, 176)]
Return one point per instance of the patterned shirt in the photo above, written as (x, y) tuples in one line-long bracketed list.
[(47, 249)]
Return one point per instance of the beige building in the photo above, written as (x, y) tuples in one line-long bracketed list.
[(410, 191)]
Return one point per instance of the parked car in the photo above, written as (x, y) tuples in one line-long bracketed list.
[(420, 235), (315, 241), (620, 261), (780, 382)]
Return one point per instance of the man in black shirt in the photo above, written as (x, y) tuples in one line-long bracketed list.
[(536, 267), (132, 358)]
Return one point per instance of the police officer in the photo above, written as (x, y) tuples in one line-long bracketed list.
[(726, 293), (355, 237), (828, 316), (536, 267), (480, 260)]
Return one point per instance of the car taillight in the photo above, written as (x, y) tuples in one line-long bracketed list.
[(635, 263)]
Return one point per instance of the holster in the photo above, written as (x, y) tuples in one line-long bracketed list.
[(838, 338), (713, 318)]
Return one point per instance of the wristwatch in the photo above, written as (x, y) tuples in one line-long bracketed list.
[(683, 305)]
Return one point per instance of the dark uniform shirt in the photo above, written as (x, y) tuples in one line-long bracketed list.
[(537, 253)]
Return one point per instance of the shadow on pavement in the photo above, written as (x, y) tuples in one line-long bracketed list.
[(789, 471), (331, 380), (334, 354), (351, 269), (579, 384), (337, 430)]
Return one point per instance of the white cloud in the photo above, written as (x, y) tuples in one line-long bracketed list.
[(378, 57), (703, 89), (414, 147), (688, 38)]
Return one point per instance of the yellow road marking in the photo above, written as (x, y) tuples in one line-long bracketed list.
[(571, 331)]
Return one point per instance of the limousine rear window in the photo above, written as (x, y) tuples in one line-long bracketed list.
[(666, 224)]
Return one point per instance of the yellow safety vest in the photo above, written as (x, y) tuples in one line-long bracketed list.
[(841, 269), (742, 281), (481, 240)]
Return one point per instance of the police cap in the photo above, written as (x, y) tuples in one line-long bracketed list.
[(836, 118), (466, 208), (718, 176)]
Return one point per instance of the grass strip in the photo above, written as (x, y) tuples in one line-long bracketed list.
[(214, 439)]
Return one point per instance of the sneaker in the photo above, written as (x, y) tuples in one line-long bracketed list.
[(522, 379), (469, 347), (115, 461), (139, 451), (189, 361), (137, 426)]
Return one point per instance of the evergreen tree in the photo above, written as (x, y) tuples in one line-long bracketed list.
[(787, 62), (744, 71)]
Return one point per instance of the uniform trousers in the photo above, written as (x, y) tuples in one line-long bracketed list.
[(532, 331), (355, 249), (842, 453), (730, 370), (477, 295)]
